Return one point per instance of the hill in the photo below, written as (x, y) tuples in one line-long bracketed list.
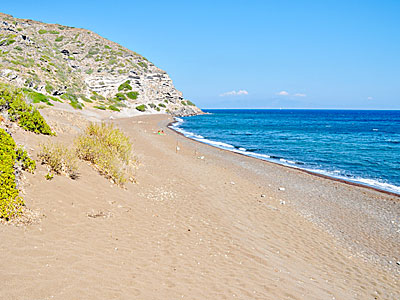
[(80, 67)]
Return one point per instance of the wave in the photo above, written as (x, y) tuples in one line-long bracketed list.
[(337, 174)]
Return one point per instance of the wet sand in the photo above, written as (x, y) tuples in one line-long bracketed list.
[(201, 223)]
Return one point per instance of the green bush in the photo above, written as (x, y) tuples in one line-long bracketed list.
[(33, 121), (184, 103), (27, 163), (162, 105), (132, 95), (59, 38), (125, 86), (107, 47), (152, 105), (101, 107), (42, 31), (108, 149), (120, 96), (59, 159), (54, 32), (141, 108), (27, 116), (142, 64), (10, 201), (114, 108), (73, 100), (190, 103), (49, 88)]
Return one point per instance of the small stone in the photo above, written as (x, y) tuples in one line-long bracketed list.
[(281, 188), (232, 182), (398, 263), (262, 196)]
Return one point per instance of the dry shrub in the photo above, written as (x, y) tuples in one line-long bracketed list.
[(59, 159), (109, 150)]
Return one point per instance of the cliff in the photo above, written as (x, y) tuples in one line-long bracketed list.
[(79, 67)]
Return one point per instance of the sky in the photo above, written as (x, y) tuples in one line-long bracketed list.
[(252, 54)]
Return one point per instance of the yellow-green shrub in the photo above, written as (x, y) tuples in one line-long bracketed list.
[(27, 116), (108, 149), (10, 202), (59, 159)]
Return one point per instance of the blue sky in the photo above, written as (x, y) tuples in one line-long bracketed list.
[(253, 54)]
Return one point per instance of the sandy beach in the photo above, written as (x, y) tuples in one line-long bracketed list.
[(200, 223)]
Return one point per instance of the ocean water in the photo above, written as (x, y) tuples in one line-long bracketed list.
[(359, 146)]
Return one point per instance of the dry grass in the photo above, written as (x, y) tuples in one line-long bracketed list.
[(59, 159), (109, 150)]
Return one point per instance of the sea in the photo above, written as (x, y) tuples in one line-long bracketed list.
[(361, 146)]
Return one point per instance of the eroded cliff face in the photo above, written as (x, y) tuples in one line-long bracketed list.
[(80, 67)]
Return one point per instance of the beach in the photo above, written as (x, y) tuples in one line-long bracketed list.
[(199, 223)]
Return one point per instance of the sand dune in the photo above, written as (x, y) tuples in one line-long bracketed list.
[(199, 228)]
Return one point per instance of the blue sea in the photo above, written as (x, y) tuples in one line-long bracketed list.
[(354, 145)]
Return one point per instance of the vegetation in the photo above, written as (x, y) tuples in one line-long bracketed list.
[(120, 96), (125, 86), (162, 105), (73, 100), (42, 31), (132, 95), (141, 108), (37, 97), (142, 64), (59, 159), (190, 103), (59, 38), (113, 107), (108, 149), (27, 116), (184, 103), (10, 202), (26, 162)]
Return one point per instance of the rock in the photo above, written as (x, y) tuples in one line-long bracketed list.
[(281, 189)]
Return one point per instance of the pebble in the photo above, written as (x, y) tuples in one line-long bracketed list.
[(262, 196), (281, 188)]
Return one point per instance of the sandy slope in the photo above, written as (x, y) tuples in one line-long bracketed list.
[(190, 229)]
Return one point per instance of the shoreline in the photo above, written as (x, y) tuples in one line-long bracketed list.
[(349, 182), (317, 215), (200, 223)]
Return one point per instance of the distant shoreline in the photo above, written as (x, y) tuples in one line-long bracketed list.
[(351, 183)]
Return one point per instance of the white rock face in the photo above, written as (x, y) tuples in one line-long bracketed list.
[(83, 68)]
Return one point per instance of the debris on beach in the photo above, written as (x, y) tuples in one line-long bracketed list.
[(281, 189)]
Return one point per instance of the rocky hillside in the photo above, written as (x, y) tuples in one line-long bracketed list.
[(79, 67)]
